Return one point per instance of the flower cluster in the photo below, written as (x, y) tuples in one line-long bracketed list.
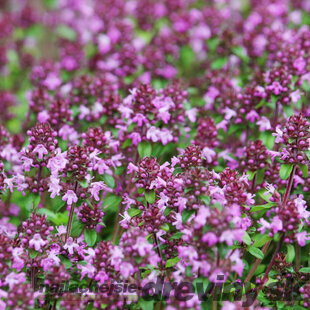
[(148, 141)]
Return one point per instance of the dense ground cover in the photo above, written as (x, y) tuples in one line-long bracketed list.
[(147, 143)]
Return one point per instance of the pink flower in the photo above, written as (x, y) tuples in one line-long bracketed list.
[(126, 269), (139, 119), (210, 238), (278, 134), (58, 162), (52, 81), (27, 163), (116, 255), (302, 238), (295, 96), (132, 168), (264, 124), (43, 116), (201, 218), (192, 114), (70, 197), (53, 186), (142, 246), (37, 242), (208, 154), (135, 137), (238, 264), (40, 150), (96, 187), (152, 134), (276, 224), (299, 64), (162, 202), (71, 246), (252, 116), (15, 278)]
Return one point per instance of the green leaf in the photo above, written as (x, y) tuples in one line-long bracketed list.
[(177, 235), (251, 175), (133, 212), (165, 227), (260, 176), (66, 32), (263, 207), (149, 196), (256, 252), (186, 214), (285, 171), (77, 227), (304, 169), (187, 56), (305, 270), (219, 63), (268, 139), (66, 261), (213, 44), (307, 152), (247, 239), (144, 149), (290, 253), (260, 240), (205, 199), (109, 180), (112, 202), (240, 52), (90, 236), (172, 261), (264, 194), (33, 254)]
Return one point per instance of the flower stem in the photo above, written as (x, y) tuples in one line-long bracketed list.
[(266, 246), (289, 186)]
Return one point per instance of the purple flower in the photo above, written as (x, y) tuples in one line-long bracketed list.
[(96, 187), (37, 242), (40, 150), (70, 197)]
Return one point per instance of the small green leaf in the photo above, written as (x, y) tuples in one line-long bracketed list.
[(305, 270), (290, 253), (251, 175), (109, 180), (256, 252), (219, 63), (285, 171), (263, 207), (112, 202), (304, 169), (172, 261), (133, 212), (66, 261), (186, 214), (247, 239), (33, 253), (150, 196), (165, 227), (307, 152), (240, 52), (90, 236), (260, 240), (205, 199), (144, 149), (177, 235), (213, 44)]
